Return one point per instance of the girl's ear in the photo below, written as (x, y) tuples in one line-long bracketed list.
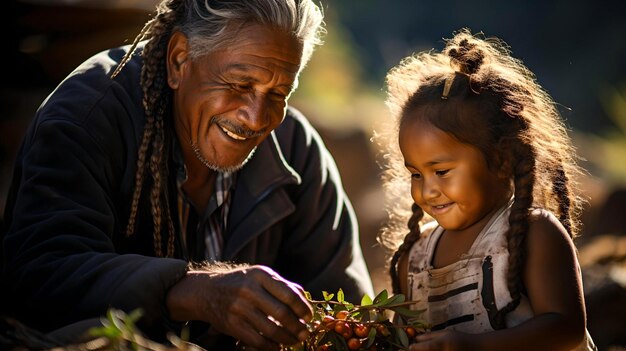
[(505, 169), (503, 161), (177, 53)]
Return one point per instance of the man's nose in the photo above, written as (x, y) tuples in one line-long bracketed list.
[(256, 112)]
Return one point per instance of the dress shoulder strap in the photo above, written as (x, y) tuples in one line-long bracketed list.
[(421, 251)]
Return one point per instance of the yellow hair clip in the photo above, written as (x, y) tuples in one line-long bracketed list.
[(446, 87)]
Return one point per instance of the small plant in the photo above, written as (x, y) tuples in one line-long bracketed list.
[(119, 333), (339, 325)]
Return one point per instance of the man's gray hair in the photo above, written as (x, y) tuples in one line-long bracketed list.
[(206, 22)]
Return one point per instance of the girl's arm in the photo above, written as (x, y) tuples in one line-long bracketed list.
[(554, 286)]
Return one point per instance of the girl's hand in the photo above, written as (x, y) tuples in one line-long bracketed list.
[(442, 340)]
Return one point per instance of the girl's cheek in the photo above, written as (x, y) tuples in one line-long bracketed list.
[(415, 193)]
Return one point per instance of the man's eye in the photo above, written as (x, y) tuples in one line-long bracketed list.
[(442, 172), (278, 95), (241, 87)]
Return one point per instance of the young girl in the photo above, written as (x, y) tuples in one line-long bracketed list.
[(489, 160)]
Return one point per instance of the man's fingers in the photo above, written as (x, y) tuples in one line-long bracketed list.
[(262, 309), (251, 339), (289, 294), (285, 317), (287, 306), (270, 329)]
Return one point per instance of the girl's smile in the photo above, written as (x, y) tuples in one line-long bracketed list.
[(438, 210), (450, 180)]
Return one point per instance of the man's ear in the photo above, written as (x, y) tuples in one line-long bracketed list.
[(177, 53)]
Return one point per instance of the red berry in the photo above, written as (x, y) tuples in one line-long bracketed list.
[(410, 332), (362, 330), (328, 322), (343, 329), (354, 344), (341, 314), (382, 330)]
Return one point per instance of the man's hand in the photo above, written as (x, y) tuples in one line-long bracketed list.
[(253, 304)]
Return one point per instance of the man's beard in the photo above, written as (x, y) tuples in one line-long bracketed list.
[(216, 168)]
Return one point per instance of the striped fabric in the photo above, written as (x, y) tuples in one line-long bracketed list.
[(465, 295), (213, 222)]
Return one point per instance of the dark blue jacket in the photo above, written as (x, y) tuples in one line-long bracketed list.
[(66, 256)]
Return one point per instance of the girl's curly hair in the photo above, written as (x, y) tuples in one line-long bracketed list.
[(518, 127)]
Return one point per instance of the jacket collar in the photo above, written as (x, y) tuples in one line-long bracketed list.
[(265, 174), (266, 169)]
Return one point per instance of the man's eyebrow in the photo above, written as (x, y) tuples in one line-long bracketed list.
[(239, 66), (242, 71)]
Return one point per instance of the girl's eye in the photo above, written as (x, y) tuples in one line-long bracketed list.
[(416, 176), (442, 172)]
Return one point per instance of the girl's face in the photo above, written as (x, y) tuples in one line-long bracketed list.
[(450, 180)]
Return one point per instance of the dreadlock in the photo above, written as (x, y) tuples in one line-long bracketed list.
[(205, 24)]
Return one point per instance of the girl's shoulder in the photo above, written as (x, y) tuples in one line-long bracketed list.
[(542, 219), (546, 232), (427, 228)]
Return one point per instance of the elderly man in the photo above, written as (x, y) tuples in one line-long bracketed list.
[(170, 175)]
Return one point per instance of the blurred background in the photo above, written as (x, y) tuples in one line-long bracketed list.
[(577, 49)]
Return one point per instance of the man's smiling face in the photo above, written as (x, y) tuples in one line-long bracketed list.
[(227, 102)]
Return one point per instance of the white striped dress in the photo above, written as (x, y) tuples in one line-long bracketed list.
[(465, 295)]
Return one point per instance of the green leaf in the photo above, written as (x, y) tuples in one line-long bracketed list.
[(366, 300), (420, 324), (371, 337), (340, 296), (115, 317), (395, 299), (109, 332), (381, 297), (401, 337), (338, 341), (130, 319), (363, 316), (134, 315), (403, 311), (184, 333), (308, 295), (327, 296)]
